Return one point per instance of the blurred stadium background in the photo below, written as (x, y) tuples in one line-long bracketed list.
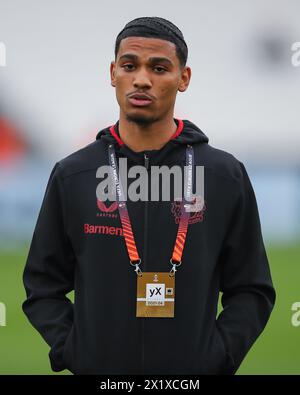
[(55, 95)]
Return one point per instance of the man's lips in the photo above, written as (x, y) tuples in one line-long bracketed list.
[(140, 100)]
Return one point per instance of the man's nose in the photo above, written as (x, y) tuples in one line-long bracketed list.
[(142, 80)]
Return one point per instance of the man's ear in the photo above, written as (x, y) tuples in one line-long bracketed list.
[(186, 74), (112, 73)]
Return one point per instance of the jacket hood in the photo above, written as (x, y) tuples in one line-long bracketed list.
[(186, 133)]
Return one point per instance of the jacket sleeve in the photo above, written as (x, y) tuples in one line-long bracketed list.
[(49, 272), (248, 293)]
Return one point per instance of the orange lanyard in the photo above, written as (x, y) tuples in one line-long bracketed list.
[(134, 257)]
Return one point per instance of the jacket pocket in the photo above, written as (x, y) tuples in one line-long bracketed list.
[(227, 367), (215, 359), (67, 351)]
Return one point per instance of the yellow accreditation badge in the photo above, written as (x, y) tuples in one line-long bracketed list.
[(155, 295)]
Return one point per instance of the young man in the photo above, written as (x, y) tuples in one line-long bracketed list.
[(116, 255)]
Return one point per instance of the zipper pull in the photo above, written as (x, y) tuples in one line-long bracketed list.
[(146, 161)]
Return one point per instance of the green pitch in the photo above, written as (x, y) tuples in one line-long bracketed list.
[(277, 351)]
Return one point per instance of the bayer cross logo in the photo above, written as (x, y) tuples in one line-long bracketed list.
[(196, 210)]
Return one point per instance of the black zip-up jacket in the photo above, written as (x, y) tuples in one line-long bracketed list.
[(78, 244)]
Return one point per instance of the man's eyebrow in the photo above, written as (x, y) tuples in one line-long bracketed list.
[(154, 59), (128, 56), (160, 59)]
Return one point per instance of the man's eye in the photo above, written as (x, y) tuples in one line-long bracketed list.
[(160, 69), (127, 66)]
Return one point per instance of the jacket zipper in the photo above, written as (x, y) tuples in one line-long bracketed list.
[(146, 162)]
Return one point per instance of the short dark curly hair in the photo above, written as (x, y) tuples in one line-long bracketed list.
[(155, 27)]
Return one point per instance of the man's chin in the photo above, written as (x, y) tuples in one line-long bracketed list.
[(140, 119)]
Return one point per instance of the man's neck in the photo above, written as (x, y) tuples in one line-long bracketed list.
[(149, 137)]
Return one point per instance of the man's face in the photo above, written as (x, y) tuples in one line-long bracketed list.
[(150, 67)]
